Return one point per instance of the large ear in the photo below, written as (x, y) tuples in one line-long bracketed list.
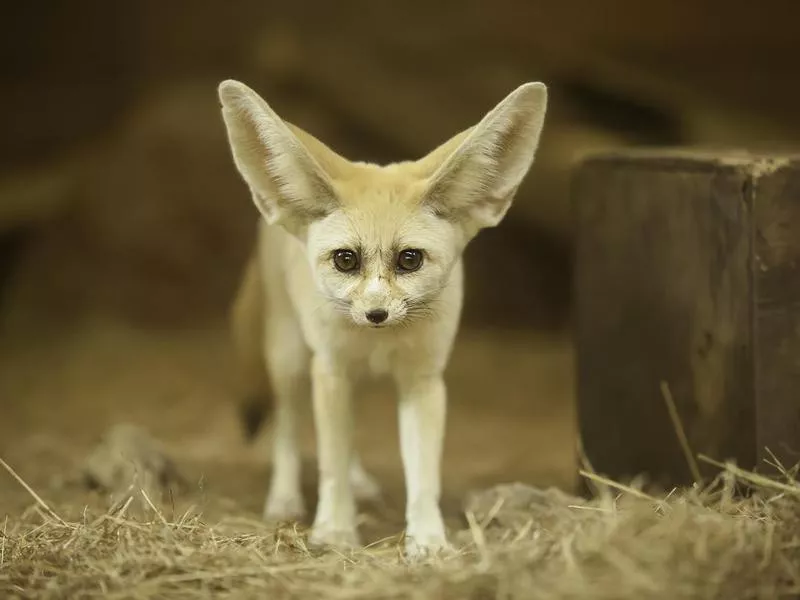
[(479, 170), (289, 186)]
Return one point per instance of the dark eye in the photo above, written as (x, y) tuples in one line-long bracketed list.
[(409, 260), (345, 260)]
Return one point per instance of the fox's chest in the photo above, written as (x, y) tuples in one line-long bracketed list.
[(371, 354), (379, 361)]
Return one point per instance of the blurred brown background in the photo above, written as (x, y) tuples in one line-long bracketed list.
[(124, 227)]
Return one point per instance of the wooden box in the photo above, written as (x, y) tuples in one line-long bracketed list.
[(687, 271)]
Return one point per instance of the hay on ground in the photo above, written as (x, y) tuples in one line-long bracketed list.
[(738, 537)]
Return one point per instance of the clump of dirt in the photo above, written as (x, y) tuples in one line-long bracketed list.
[(129, 462)]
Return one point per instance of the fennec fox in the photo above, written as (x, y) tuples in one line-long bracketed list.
[(358, 273)]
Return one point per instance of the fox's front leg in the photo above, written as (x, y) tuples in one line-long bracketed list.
[(423, 400), (335, 521)]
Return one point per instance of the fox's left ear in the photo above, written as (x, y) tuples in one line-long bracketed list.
[(476, 182)]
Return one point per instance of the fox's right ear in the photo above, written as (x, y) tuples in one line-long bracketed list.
[(288, 185)]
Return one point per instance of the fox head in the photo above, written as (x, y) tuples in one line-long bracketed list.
[(382, 240)]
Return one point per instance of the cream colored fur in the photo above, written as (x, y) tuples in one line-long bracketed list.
[(314, 202)]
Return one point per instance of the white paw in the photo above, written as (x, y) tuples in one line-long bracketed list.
[(422, 546), (365, 486), (284, 507), (344, 539)]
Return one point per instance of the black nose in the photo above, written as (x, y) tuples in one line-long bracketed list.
[(377, 316)]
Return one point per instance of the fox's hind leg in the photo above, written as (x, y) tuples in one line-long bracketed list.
[(288, 362), (365, 487)]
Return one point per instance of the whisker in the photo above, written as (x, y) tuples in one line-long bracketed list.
[(421, 308)]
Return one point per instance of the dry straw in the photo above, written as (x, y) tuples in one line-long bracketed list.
[(709, 542)]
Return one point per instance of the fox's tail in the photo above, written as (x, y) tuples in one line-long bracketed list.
[(247, 330)]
